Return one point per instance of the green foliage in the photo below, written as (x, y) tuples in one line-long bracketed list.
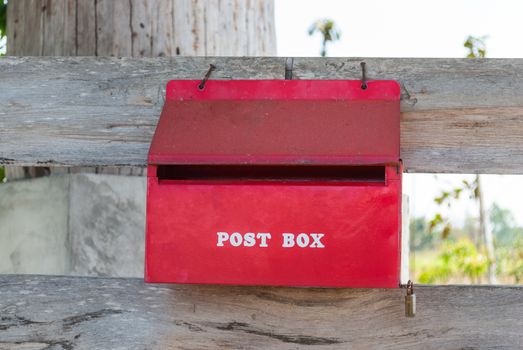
[(328, 30), (2, 174), (476, 46), (437, 272), (509, 243), (441, 224), (455, 259), (504, 226), (466, 258), (3, 25), (421, 237), (510, 260), (3, 18)]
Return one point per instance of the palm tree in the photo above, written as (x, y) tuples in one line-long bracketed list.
[(328, 30)]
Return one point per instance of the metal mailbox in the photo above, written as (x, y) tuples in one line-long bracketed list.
[(276, 182)]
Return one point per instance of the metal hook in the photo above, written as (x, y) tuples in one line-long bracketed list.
[(201, 86), (410, 288), (363, 75), (288, 68)]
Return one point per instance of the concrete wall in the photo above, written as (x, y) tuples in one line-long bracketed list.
[(79, 224), (33, 226), (107, 225)]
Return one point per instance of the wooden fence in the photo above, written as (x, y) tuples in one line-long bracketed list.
[(458, 115)]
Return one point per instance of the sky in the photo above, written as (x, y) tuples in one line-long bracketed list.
[(401, 28), (409, 28)]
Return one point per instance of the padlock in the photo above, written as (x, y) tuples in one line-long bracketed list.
[(410, 301)]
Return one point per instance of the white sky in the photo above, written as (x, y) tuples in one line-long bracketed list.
[(401, 28), (410, 28)]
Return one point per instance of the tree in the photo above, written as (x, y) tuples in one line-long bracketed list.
[(456, 258), (422, 238), (509, 242), (476, 49), (328, 31), (504, 226), (476, 46), (3, 24)]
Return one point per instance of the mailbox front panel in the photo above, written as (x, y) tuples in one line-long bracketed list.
[(335, 234)]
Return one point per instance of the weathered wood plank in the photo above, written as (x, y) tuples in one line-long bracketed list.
[(189, 28), (141, 27), (459, 115), (70, 28), (34, 10), (113, 20), (15, 26), (53, 25), (59, 28), (86, 30), (102, 313), (241, 43), (267, 26), (163, 31)]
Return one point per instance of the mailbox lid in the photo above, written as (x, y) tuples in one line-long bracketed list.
[(278, 122)]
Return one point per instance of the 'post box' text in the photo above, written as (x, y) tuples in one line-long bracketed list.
[(261, 239)]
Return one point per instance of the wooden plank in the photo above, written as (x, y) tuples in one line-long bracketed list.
[(269, 46), (86, 30), (215, 26), (104, 313), (70, 28), (141, 27), (250, 23), (113, 21), (54, 25), (459, 115), (189, 27), (104, 14), (15, 27), (239, 23), (163, 30), (32, 41)]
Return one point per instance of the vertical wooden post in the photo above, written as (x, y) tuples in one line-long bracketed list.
[(141, 28)]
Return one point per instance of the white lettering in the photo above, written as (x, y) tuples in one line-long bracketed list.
[(288, 240), (249, 239), (222, 237), (317, 243), (236, 239), (303, 240), (263, 237)]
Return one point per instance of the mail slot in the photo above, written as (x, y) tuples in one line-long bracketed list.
[(276, 182)]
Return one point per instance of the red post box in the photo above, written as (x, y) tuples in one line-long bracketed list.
[(276, 182)]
